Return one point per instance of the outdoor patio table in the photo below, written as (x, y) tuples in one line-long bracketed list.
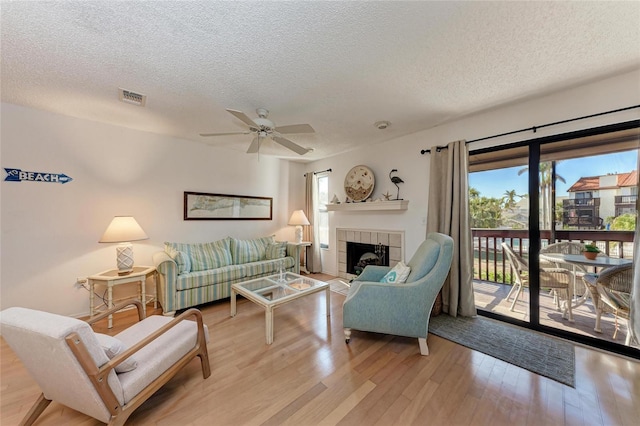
[(578, 259)]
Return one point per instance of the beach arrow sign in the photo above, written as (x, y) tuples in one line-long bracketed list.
[(17, 175)]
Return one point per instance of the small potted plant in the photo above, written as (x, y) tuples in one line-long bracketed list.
[(590, 251)]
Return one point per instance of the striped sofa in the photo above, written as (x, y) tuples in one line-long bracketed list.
[(197, 273)]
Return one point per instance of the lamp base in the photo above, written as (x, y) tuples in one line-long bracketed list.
[(124, 258), (298, 234)]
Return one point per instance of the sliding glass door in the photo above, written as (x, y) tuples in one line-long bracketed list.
[(535, 206)]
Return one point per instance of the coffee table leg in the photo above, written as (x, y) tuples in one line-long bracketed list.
[(233, 302), (268, 320), (328, 299)]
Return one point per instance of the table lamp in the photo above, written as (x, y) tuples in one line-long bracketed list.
[(123, 230), (298, 219)]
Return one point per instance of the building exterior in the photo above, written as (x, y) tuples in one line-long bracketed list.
[(592, 199)]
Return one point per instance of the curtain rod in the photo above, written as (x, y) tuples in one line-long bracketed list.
[(317, 173), (535, 128)]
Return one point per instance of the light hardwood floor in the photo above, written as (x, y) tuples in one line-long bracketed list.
[(309, 376)]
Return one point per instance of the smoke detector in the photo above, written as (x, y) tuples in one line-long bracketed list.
[(381, 125), (131, 97)]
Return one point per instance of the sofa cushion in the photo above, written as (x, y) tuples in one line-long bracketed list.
[(182, 259), (204, 256), (276, 250), (197, 279), (245, 251), (266, 267)]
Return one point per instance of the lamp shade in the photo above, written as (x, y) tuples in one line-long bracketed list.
[(298, 218), (123, 229)]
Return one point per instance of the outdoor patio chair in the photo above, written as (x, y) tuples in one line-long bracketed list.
[(102, 376), (614, 288), (558, 280)]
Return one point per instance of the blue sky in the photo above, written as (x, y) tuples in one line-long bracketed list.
[(494, 183)]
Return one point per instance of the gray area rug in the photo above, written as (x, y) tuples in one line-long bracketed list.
[(533, 351)]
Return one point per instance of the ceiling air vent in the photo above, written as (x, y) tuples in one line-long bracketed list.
[(132, 97)]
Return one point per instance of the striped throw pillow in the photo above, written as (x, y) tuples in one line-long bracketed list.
[(277, 250), (205, 256)]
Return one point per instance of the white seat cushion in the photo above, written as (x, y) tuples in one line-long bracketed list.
[(155, 358)]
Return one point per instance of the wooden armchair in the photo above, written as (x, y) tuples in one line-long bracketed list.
[(104, 377)]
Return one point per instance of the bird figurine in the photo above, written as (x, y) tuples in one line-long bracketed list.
[(396, 180)]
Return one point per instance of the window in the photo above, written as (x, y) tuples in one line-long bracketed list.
[(322, 214)]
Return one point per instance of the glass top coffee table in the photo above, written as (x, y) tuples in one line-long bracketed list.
[(273, 291)]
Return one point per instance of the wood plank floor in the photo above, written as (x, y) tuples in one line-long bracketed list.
[(309, 376)]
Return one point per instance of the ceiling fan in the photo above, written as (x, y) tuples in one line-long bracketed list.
[(262, 127)]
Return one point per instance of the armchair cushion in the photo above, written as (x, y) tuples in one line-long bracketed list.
[(397, 275), (423, 260), (113, 347), (172, 345)]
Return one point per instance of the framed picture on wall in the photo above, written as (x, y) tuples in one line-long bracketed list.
[(205, 206)]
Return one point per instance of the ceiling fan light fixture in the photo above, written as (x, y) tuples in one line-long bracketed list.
[(381, 125)]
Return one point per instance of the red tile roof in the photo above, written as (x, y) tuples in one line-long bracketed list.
[(585, 184), (628, 179), (591, 183)]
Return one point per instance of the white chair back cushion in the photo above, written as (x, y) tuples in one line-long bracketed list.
[(38, 338)]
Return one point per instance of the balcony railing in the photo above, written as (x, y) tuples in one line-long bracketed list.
[(626, 199), (491, 265), (572, 203)]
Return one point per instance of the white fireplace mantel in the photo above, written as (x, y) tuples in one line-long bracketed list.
[(397, 205)]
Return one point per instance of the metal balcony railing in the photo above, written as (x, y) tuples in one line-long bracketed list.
[(626, 199)]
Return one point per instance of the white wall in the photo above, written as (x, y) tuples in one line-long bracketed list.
[(404, 153), (50, 230)]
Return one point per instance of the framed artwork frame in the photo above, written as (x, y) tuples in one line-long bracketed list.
[(206, 206)]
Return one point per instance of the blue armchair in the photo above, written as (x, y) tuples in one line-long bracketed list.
[(400, 309)]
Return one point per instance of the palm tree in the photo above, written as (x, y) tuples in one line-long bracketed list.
[(509, 199), (546, 185)]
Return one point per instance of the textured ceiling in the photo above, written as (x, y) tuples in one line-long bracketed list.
[(339, 66)]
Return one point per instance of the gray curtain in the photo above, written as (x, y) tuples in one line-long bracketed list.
[(448, 213), (310, 233), (635, 290)]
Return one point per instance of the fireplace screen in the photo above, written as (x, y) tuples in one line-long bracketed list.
[(360, 255)]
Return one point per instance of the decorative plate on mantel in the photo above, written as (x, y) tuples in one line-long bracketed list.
[(359, 183)]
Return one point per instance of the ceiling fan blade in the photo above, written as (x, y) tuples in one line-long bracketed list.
[(225, 134), (292, 146), (243, 117), (255, 145), (295, 128)]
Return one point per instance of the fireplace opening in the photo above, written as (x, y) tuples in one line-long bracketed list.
[(360, 255)]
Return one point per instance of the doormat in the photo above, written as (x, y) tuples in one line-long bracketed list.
[(544, 355)]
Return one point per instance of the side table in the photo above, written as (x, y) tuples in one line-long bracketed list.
[(299, 246), (111, 278)]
